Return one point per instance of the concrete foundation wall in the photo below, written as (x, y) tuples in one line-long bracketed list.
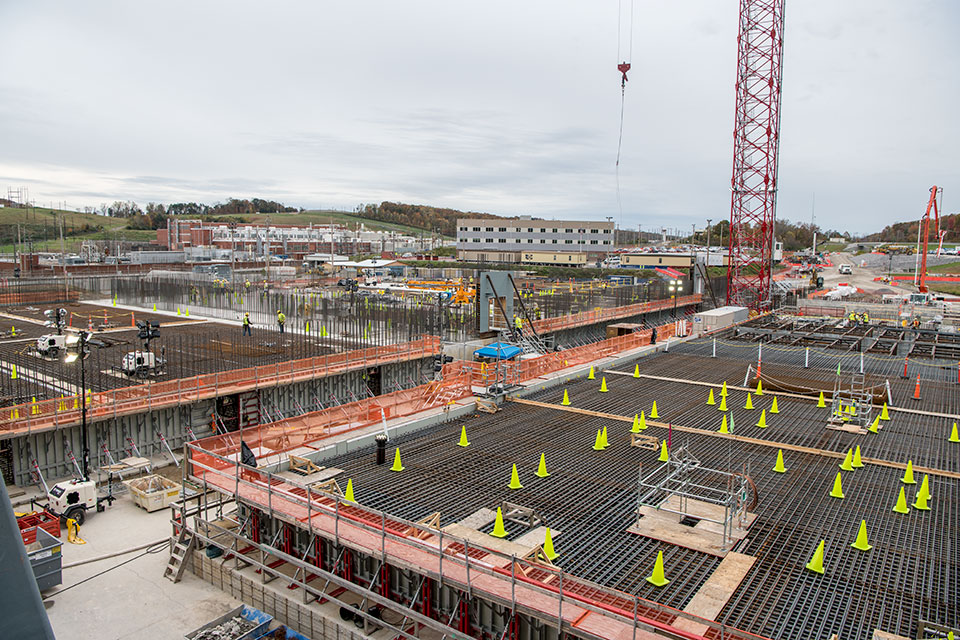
[(52, 449)]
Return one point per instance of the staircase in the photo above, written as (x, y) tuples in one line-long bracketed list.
[(178, 555)]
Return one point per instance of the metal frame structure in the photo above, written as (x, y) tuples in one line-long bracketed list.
[(756, 138), (679, 477)]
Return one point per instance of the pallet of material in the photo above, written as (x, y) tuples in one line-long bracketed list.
[(153, 492)]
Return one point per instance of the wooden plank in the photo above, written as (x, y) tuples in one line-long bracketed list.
[(713, 595), (666, 527), (715, 434)]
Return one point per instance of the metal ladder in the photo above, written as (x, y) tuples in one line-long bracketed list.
[(178, 554)]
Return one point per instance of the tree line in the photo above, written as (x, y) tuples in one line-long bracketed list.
[(154, 215)]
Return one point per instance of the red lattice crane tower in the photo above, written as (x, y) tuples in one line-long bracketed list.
[(756, 138)]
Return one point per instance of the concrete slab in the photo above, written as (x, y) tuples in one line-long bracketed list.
[(127, 596), (712, 596)]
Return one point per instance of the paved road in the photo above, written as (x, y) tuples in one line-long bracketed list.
[(862, 277)]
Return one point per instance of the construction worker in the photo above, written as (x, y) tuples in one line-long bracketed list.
[(281, 320), (246, 325), (852, 317), (518, 325), (866, 318)]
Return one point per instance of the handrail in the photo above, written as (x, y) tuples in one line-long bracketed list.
[(45, 415)]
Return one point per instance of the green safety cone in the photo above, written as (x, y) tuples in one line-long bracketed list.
[(348, 494), (657, 578), (542, 468), (921, 502), (861, 541), (837, 491), (954, 435), (396, 461), (498, 529), (901, 506), (598, 443), (908, 474), (653, 411), (816, 562), (847, 464), (514, 479), (664, 453), (779, 468), (463, 437), (548, 549), (857, 461)]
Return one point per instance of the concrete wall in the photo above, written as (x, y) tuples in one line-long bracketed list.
[(52, 449)]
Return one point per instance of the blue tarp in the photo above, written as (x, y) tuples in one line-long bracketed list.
[(498, 350)]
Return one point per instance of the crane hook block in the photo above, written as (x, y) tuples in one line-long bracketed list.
[(623, 67)]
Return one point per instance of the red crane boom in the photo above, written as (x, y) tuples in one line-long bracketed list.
[(921, 277)]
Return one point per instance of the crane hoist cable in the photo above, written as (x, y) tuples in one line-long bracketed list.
[(623, 65)]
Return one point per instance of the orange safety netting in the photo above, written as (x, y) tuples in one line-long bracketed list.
[(601, 315), (62, 412), (273, 438)]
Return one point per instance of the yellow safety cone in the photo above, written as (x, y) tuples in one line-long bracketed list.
[(598, 443), (710, 400), (657, 578), (816, 562), (901, 506), (514, 479), (653, 411), (759, 387), (15, 414), (463, 437), (723, 390), (774, 408), (821, 403), (954, 435), (396, 461), (749, 404), (643, 421), (779, 468), (723, 404), (566, 399), (542, 468), (590, 375), (498, 529), (13, 372), (861, 541), (875, 427), (154, 306), (13, 331), (920, 503), (837, 488), (857, 461), (603, 436), (636, 371), (723, 425), (603, 384), (762, 422), (908, 474), (548, 549), (178, 310), (348, 494), (664, 453), (884, 415), (925, 487), (847, 464), (636, 424)]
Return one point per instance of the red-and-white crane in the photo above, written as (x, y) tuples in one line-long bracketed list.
[(756, 141), (923, 236)]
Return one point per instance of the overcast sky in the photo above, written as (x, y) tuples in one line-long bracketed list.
[(510, 107)]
